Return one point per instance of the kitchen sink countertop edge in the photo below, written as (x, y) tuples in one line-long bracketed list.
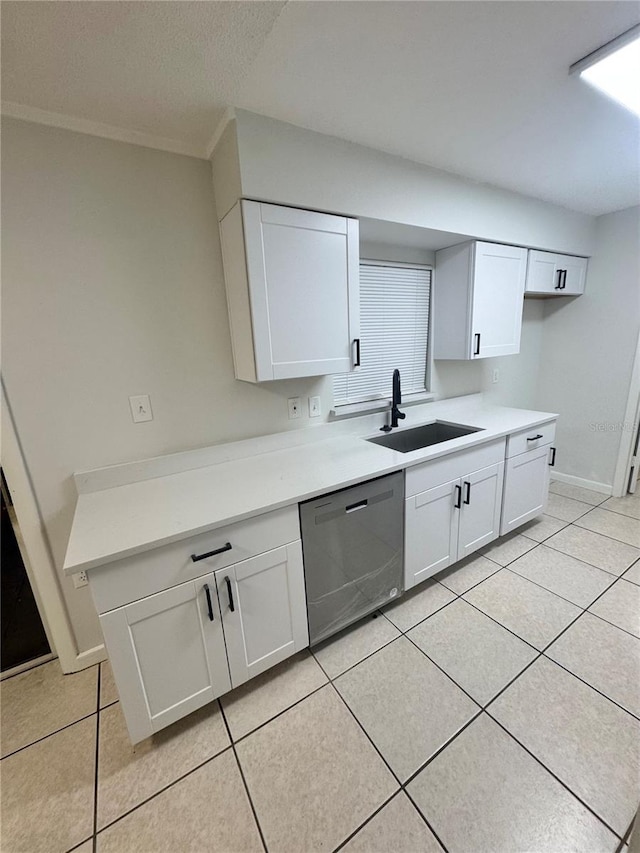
[(129, 518)]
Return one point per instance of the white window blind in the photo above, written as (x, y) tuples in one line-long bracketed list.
[(394, 329)]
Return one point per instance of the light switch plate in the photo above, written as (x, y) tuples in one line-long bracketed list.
[(141, 408), (314, 407)]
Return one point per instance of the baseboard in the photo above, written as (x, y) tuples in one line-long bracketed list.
[(89, 658), (602, 488)]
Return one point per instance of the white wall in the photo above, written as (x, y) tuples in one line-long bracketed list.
[(587, 353), (283, 163), (112, 286)]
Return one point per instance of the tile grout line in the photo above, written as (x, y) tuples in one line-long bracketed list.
[(97, 759), (613, 624), (562, 666), (621, 541), (615, 512), (368, 820), (586, 562), (484, 710), (384, 760), (32, 668), (279, 714), (539, 654), (242, 776), (551, 773), (160, 791), (50, 734)]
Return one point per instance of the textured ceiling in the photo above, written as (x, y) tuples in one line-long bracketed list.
[(477, 88), (164, 68)]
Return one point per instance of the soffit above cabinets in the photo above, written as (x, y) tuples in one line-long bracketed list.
[(398, 234), (479, 89)]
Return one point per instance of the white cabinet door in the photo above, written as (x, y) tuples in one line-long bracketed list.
[(302, 270), (264, 610), (480, 511), (168, 655), (575, 273), (498, 290), (541, 273), (526, 488), (431, 532), (555, 275)]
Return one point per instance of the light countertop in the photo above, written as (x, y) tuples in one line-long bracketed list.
[(255, 476)]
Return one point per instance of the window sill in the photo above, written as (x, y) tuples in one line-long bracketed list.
[(353, 410)]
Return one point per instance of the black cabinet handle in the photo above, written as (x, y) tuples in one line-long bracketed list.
[(356, 363), (559, 284), (207, 592), (476, 350), (564, 279), (224, 548), (458, 497), (230, 593), (467, 498), (535, 437), (552, 461)]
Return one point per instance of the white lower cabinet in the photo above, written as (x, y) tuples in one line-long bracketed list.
[(526, 480), (168, 655), (450, 521), (264, 611), (178, 649), (431, 532), (479, 517)]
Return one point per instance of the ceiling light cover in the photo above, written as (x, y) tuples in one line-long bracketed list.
[(615, 69)]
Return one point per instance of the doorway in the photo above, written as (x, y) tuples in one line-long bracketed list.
[(24, 641)]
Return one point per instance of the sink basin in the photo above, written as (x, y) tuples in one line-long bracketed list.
[(424, 436)]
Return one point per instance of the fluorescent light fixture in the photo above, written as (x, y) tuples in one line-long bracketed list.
[(614, 69)]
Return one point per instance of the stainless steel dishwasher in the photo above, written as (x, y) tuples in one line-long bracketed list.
[(352, 541)]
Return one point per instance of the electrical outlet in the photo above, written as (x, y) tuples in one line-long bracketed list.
[(495, 375), (314, 407), (294, 408), (141, 408), (80, 579)]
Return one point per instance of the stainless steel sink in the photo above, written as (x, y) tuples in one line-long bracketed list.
[(424, 436)]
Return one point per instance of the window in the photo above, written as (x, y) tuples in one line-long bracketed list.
[(394, 331)]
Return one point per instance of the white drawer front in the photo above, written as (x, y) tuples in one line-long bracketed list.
[(124, 581), (530, 439), (419, 478)]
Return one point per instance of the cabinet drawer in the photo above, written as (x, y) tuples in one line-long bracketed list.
[(419, 478), (121, 582), (530, 439)]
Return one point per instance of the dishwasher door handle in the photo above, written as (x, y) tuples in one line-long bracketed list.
[(356, 506)]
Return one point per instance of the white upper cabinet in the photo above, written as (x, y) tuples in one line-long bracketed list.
[(292, 291), (478, 300), (549, 274)]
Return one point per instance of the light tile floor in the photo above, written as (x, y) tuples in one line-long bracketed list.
[(496, 709)]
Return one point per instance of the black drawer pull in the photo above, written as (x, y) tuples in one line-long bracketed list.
[(224, 548), (468, 490), (552, 461), (230, 593), (207, 592), (476, 351), (356, 362), (559, 284), (535, 437), (457, 504)]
